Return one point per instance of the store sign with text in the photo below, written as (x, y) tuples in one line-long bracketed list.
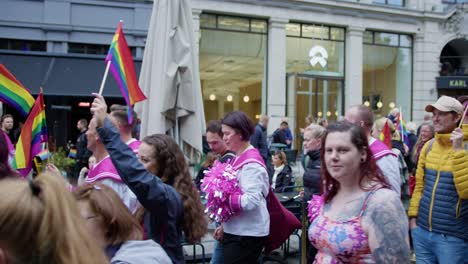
[(452, 82)]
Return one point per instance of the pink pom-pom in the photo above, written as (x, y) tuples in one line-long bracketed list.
[(220, 184), (315, 204)]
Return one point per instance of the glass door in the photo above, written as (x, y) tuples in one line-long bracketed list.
[(318, 97)]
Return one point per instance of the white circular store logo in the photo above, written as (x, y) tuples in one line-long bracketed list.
[(318, 54)]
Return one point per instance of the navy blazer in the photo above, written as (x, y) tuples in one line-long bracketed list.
[(164, 208)]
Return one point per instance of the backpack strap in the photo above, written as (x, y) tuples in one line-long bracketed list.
[(429, 147)]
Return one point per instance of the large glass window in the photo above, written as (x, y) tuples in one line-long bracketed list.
[(315, 49), (387, 72), (232, 64), (315, 56)]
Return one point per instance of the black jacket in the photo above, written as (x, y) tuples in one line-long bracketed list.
[(164, 209), (283, 179), (311, 178), (259, 141), (279, 136), (82, 152)]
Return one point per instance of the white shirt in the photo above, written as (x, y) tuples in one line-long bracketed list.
[(126, 195), (391, 170), (253, 219), (275, 175)]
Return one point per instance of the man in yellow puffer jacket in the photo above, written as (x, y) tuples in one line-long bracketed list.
[(439, 207)]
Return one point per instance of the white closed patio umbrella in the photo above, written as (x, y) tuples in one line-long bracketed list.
[(170, 77)]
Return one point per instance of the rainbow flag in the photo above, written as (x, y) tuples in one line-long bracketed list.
[(72, 153), (386, 135), (33, 134), (44, 154), (402, 129), (13, 93), (123, 69)]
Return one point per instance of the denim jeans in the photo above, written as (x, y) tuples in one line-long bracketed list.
[(218, 252), (432, 247), (217, 257)]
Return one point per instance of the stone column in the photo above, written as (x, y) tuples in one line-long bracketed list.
[(353, 67), (276, 76), (426, 61)]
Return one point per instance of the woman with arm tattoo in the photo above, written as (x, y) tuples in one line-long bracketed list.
[(358, 219)]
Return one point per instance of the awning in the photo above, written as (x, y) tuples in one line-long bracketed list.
[(61, 74)]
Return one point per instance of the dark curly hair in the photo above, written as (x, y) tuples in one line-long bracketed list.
[(172, 167), (369, 169)]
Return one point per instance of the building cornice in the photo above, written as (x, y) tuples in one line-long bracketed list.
[(362, 10)]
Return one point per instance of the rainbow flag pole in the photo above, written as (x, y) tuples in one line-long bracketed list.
[(103, 82)]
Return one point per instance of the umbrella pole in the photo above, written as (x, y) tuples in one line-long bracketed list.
[(176, 129), (176, 118)]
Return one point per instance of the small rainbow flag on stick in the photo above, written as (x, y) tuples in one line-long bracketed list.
[(13, 93), (386, 135), (120, 62), (72, 153), (43, 155), (33, 134), (402, 128)]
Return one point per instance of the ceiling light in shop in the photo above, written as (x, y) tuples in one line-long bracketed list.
[(319, 114), (391, 105), (212, 97), (229, 98), (84, 104), (336, 113), (366, 103), (246, 98), (328, 113), (379, 104)]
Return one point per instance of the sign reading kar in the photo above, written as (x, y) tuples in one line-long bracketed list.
[(457, 83), (452, 82)]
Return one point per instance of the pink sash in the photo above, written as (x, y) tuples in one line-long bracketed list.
[(103, 170), (249, 156), (380, 150), (134, 144)]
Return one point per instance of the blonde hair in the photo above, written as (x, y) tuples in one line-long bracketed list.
[(40, 223), (316, 131), (281, 156), (119, 224), (394, 112), (380, 123)]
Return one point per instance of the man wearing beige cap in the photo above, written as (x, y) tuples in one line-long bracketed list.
[(439, 207)]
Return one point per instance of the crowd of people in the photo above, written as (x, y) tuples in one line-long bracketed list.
[(136, 202)]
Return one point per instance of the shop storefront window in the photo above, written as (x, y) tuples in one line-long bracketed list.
[(387, 72), (315, 58), (232, 64)]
